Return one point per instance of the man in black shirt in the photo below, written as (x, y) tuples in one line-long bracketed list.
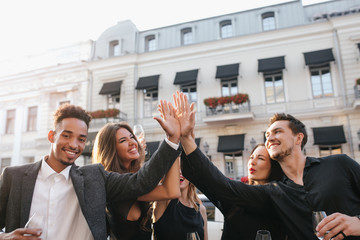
[(331, 184)]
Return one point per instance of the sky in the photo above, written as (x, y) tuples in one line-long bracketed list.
[(30, 27)]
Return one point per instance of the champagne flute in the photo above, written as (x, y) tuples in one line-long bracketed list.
[(317, 217), (35, 221), (263, 235), (140, 134), (192, 236)]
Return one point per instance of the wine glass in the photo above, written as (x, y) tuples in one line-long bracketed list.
[(316, 219), (192, 236), (140, 134), (263, 235), (35, 221)]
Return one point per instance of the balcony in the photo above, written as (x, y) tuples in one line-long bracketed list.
[(228, 113), (102, 117)]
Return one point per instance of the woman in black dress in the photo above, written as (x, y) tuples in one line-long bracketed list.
[(174, 219)]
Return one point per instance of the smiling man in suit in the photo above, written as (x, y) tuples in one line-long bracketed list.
[(71, 200)]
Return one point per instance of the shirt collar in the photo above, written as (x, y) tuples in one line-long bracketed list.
[(46, 170), (310, 161)]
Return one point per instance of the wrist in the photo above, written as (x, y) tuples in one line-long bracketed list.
[(174, 139)]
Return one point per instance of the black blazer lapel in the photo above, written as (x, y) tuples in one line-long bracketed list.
[(28, 185), (78, 183)]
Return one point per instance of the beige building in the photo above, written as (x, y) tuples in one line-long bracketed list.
[(302, 60)]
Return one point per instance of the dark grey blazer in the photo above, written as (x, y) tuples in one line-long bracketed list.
[(93, 185)]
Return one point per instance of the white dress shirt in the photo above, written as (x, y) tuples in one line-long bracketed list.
[(56, 205)]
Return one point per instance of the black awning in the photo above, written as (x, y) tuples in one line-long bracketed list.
[(271, 64), (329, 135), (148, 82), (226, 71), (110, 88), (358, 46), (186, 78), (89, 144), (152, 147), (319, 57), (231, 143)]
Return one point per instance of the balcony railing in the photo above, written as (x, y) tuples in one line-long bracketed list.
[(97, 123), (357, 91), (229, 108)]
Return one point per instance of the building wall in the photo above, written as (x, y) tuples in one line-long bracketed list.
[(80, 81)]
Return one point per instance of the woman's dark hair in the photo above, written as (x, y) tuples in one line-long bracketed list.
[(275, 172)]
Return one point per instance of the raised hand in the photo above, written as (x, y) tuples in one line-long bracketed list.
[(169, 121), (185, 114)]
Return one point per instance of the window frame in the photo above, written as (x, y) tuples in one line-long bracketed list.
[(153, 102), (114, 48), (10, 121), (229, 81), (332, 149), (187, 40), (150, 43), (265, 25), (273, 75), (32, 119), (320, 69), (189, 96), (226, 29)]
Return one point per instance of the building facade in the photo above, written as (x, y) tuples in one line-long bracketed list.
[(239, 69)]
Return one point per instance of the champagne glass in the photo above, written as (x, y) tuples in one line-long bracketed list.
[(140, 134), (316, 219), (35, 221), (192, 236), (263, 235)]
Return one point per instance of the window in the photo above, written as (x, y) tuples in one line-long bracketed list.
[(268, 21), (186, 36), (229, 87), (10, 121), (274, 87), (190, 92), (330, 150), (150, 43), (321, 81), (32, 119), (226, 29), (5, 162), (114, 49), (150, 102), (229, 167), (64, 102)]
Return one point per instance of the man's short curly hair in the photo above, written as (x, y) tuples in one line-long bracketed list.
[(71, 111)]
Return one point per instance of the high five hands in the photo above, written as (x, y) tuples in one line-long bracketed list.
[(182, 116)]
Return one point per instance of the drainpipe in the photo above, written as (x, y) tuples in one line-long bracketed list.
[(136, 73), (350, 137), (340, 66)]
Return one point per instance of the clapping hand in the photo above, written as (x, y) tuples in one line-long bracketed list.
[(185, 114), (169, 121)]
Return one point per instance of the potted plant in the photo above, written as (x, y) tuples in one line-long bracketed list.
[(211, 102), (108, 113), (240, 98), (224, 100)]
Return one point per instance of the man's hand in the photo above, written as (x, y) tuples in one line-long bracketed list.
[(169, 121), (185, 114), (18, 234), (337, 225)]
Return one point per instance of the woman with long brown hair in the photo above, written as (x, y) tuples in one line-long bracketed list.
[(117, 148)]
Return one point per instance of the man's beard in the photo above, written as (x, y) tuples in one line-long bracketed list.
[(66, 163), (279, 157)]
